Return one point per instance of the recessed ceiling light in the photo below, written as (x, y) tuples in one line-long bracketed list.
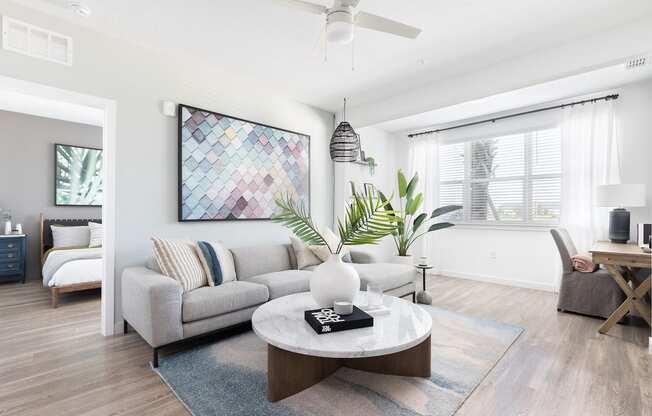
[(79, 8)]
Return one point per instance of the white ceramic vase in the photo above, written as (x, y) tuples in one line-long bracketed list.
[(334, 280), (407, 260)]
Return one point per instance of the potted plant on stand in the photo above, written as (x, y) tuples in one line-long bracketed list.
[(411, 226), (366, 221)]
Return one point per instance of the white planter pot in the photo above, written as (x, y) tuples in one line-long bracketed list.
[(334, 280), (407, 260)]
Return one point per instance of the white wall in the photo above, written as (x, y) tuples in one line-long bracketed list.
[(635, 131), (146, 159), (382, 146), (527, 257)]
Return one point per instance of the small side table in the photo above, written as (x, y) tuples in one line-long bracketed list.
[(13, 250), (423, 296)]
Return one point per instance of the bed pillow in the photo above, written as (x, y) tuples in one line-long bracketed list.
[(322, 252), (304, 255), (70, 236), (96, 234), (180, 260), (217, 262)]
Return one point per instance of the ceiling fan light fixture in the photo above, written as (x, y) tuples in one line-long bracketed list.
[(339, 26)]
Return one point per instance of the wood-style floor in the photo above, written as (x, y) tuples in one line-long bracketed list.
[(55, 362)]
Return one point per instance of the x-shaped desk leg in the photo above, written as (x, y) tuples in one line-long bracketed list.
[(632, 302)]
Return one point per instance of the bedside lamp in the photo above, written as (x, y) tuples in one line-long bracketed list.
[(620, 196)]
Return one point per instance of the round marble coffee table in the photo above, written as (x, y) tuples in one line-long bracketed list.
[(298, 357)]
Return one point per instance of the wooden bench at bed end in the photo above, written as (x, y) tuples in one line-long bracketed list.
[(56, 291)]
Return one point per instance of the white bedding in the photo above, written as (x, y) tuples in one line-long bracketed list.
[(64, 267), (77, 271)]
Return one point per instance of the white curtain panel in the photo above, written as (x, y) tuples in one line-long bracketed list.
[(589, 158), (424, 160)]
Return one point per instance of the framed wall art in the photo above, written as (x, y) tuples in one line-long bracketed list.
[(233, 169), (77, 176)]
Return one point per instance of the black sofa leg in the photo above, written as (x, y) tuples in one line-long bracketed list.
[(414, 297), (126, 326), (155, 358)]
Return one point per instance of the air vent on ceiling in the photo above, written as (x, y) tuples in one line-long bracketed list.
[(36, 42), (637, 62)]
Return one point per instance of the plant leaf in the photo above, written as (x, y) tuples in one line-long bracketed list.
[(440, 226), (445, 210), (413, 204), (296, 218), (412, 186), (402, 184), (417, 221)]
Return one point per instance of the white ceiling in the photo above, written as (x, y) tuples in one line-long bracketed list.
[(566, 88), (275, 45)]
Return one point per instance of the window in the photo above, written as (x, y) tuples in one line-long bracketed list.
[(512, 179)]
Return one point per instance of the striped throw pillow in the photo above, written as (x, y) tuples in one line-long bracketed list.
[(179, 260)]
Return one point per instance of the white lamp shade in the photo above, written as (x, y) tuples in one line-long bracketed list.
[(621, 195)]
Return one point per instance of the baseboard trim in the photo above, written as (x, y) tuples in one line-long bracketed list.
[(499, 280)]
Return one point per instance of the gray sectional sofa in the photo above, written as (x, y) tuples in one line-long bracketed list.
[(156, 307)]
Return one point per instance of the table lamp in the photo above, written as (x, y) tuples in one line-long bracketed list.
[(618, 197)]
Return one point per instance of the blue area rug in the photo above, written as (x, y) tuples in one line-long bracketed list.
[(229, 377)]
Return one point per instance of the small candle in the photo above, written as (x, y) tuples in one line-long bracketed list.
[(343, 307)]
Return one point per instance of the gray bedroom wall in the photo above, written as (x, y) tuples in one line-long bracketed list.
[(146, 157), (27, 173)]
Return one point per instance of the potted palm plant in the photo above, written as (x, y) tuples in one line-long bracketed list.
[(366, 221), (411, 226)]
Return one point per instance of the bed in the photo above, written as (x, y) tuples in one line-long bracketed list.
[(66, 270)]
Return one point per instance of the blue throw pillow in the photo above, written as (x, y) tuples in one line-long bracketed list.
[(211, 262)]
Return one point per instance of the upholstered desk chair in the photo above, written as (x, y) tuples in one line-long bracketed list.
[(593, 294)]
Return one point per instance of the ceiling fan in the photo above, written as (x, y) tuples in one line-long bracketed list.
[(341, 19)]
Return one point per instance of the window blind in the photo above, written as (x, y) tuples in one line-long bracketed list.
[(511, 179)]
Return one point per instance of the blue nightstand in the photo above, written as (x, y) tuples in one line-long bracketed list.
[(13, 249)]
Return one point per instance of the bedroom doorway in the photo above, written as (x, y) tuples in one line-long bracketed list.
[(25, 97)]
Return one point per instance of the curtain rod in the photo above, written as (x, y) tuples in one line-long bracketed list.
[(524, 113)]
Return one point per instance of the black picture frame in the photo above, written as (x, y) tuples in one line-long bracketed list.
[(56, 174), (180, 218)]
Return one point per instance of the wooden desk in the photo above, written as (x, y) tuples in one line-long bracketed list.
[(630, 258)]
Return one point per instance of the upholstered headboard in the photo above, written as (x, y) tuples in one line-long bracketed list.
[(46, 231)]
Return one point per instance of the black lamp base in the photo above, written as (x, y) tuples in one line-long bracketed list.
[(619, 225)]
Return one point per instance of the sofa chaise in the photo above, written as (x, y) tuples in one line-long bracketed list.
[(158, 309)]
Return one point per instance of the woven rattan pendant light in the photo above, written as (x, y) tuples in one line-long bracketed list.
[(345, 142)]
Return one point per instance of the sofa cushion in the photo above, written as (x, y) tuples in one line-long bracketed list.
[(257, 260), (210, 301), (387, 275), (284, 283)]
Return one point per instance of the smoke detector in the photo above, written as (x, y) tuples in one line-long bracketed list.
[(79, 8), (637, 62)]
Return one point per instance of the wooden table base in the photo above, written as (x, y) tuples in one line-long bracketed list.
[(634, 297), (289, 373)]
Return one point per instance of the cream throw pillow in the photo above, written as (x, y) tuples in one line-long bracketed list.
[(303, 253), (180, 261), (322, 252), (97, 234)]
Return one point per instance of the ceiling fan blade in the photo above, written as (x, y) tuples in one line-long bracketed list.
[(303, 5), (373, 22)]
